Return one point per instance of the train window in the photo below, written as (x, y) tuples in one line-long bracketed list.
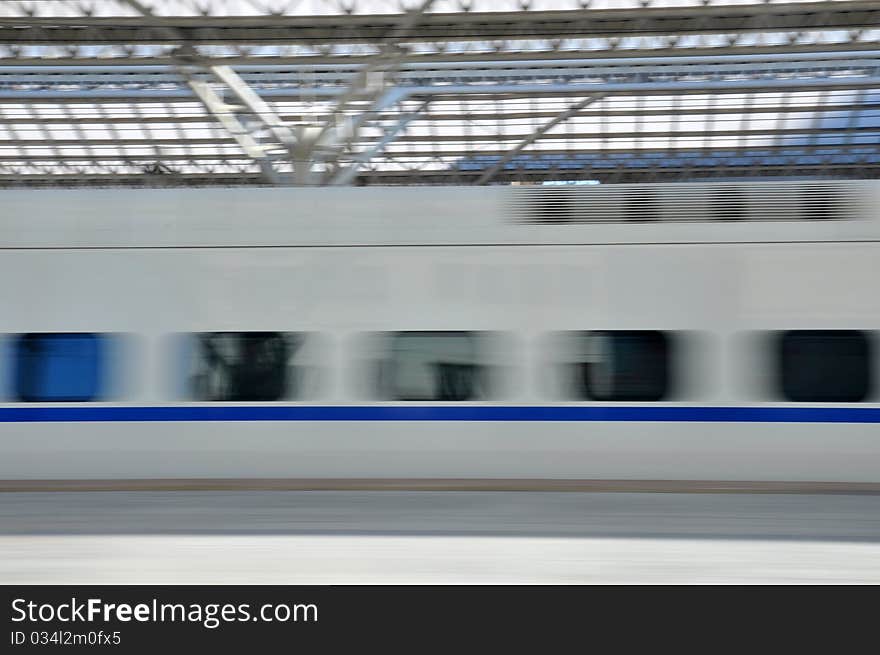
[(623, 365), (59, 367), (825, 365), (244, 366), (433, 366)]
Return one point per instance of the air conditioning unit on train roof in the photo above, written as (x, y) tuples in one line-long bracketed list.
[(704, 202)]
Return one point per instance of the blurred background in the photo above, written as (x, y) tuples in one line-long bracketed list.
[(146, 94), (198, 92)]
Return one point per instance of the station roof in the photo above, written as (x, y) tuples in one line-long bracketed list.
[(230, 92)]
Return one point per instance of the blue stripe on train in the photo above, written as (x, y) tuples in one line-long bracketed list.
[(32, 414)]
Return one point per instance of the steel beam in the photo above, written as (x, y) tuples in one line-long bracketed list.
[(488, 90), (452, 156), (537, 134), (359, 83), (484, 26), (855, 171), (511, 51), (348, 174), (104, 117)]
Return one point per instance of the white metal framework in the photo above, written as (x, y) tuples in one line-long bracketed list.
[(171, 92)]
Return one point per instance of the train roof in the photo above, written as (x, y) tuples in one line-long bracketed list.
[(441, 216)]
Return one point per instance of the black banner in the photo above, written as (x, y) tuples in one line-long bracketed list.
[(239, 618)]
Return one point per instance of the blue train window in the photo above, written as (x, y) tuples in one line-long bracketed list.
[(434, 366), (59, 367), (825, 365), (625, 365)]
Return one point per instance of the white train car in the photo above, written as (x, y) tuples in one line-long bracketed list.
[(696, 332)]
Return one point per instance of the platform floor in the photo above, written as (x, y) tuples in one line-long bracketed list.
[(436, 538)]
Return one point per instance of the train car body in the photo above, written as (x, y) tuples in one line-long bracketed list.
[(350, 270)]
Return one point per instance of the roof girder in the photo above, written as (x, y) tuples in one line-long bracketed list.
[(461, 26)]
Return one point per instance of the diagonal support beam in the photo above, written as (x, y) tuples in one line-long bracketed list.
[(254, 104), (343, 138), (225, 115), (489, 173), (192, 63), (347, 175), (372, 80), (373, 87)]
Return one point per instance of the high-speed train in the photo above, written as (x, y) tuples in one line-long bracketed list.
[(721, 332)]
